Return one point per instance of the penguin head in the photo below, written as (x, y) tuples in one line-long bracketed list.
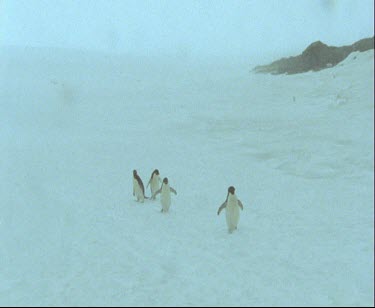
[(165, 180), (231, 190), (134, 173), (156, 171)]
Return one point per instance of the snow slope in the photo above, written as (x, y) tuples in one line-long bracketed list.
[(299, 149)]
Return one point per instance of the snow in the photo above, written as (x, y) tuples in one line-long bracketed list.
[(74, 125)]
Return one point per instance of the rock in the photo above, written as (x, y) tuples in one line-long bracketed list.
[(315, 57)]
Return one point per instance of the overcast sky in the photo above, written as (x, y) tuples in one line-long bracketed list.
[(209, 28)]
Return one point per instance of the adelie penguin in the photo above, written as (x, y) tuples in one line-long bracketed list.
[(154, 182), (138, 187), (232, 207), (165, 198)]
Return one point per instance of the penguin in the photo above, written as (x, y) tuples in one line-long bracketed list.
[(154, 182), (138, 187), (232, 207), (165, 198)]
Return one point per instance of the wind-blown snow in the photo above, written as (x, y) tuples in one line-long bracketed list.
[(299, 149)]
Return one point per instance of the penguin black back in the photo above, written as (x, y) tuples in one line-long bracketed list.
[(156, 171), (140, 183)]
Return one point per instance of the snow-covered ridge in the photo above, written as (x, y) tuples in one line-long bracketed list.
[(315, 57)]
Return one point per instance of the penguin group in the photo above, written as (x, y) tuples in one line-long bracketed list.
[(232, 204), (154, 182)]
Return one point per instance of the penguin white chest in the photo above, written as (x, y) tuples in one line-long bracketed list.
[(138, 190), (165, 198), (232, 212), (154, 184)]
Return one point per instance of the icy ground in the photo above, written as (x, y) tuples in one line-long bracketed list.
[(299, 149)]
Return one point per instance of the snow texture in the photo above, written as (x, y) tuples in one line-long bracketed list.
[(298, 149)]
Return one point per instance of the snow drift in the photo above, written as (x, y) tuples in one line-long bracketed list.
[(298, 149)]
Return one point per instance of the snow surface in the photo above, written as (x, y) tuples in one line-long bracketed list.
[(299, 149)]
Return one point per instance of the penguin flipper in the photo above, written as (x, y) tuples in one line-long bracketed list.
[(240, 204), (172, 190), (155, 193), (221, 207)]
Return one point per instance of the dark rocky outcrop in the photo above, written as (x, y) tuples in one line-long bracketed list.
[(315, 57)]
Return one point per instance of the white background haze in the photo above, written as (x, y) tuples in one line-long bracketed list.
[(84, 100), (260, 31)]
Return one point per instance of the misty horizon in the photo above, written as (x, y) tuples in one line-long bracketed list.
[(260, 31)]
